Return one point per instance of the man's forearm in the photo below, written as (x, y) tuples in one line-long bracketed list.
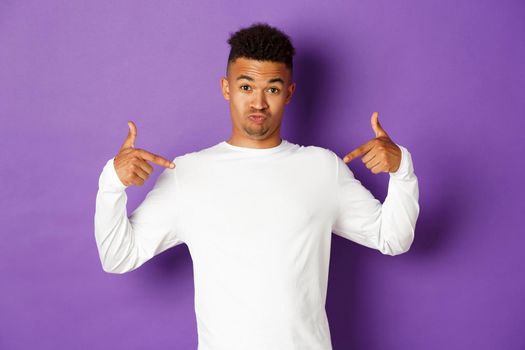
[(400, 210), (113, 231)]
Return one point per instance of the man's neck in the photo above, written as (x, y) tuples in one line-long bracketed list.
[(250, 143)]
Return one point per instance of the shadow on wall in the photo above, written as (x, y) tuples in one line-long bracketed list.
[(304, 115), (444, 216), (170, 268)]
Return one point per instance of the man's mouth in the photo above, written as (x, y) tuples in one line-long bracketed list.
[(257, 118)]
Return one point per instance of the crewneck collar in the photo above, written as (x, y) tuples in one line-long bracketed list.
[(284, 143)]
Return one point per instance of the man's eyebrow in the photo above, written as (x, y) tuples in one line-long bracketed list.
[(276, 80), (244, 77), (247, 77)]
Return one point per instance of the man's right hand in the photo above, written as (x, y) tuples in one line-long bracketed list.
[(131, 163)]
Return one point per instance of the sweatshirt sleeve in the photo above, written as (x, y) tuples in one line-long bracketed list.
[(387, 227), (125, 243)]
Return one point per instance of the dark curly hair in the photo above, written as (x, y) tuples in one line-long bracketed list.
[(261, 42)]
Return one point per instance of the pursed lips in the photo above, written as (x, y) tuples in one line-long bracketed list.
[(258, 119), (257, 116)]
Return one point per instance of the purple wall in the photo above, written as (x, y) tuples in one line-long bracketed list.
[(448, 80)]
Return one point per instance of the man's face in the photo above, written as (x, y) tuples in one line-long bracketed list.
[(257, 89)]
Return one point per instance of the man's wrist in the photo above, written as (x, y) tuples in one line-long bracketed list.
[(109, 178), (405, 165)]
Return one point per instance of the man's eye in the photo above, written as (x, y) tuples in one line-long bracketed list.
[(245, 86), (275, 90)]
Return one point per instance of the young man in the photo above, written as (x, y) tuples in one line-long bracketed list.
[(256, 211)]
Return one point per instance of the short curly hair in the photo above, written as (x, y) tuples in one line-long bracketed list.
[(261, 42)]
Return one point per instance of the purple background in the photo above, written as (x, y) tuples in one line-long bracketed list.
[(448, 81)]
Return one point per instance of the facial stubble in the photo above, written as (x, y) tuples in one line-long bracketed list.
[(258, 130)]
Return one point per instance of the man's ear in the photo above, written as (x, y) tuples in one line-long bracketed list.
[(225, 87), (290, 92)]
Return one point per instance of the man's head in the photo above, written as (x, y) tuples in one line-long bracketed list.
[(258, 81)]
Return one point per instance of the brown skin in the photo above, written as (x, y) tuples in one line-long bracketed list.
[(256, 96), (131, 163), (381, 153)]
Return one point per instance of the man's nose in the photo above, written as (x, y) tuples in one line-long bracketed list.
[(259, 100)]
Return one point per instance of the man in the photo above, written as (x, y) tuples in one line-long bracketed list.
[(256, 211)]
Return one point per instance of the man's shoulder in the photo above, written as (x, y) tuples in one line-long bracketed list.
[(197, 154), (319, 151)]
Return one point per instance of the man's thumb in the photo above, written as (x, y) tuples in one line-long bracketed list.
[(378, 129), (132, 135)]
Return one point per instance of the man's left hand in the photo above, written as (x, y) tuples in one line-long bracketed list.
[(381, 153)]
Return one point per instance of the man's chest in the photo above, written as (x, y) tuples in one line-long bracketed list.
[(250, 206)]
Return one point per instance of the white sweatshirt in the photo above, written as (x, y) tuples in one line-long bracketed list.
[(258, 225)]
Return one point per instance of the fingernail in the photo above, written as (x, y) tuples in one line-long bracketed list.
[(172, 165), (345, 159)]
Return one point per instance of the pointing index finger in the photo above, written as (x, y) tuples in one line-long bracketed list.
[(155, 159), (359, 151)]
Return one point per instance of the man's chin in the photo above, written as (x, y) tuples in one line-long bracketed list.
[(256, 132)]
